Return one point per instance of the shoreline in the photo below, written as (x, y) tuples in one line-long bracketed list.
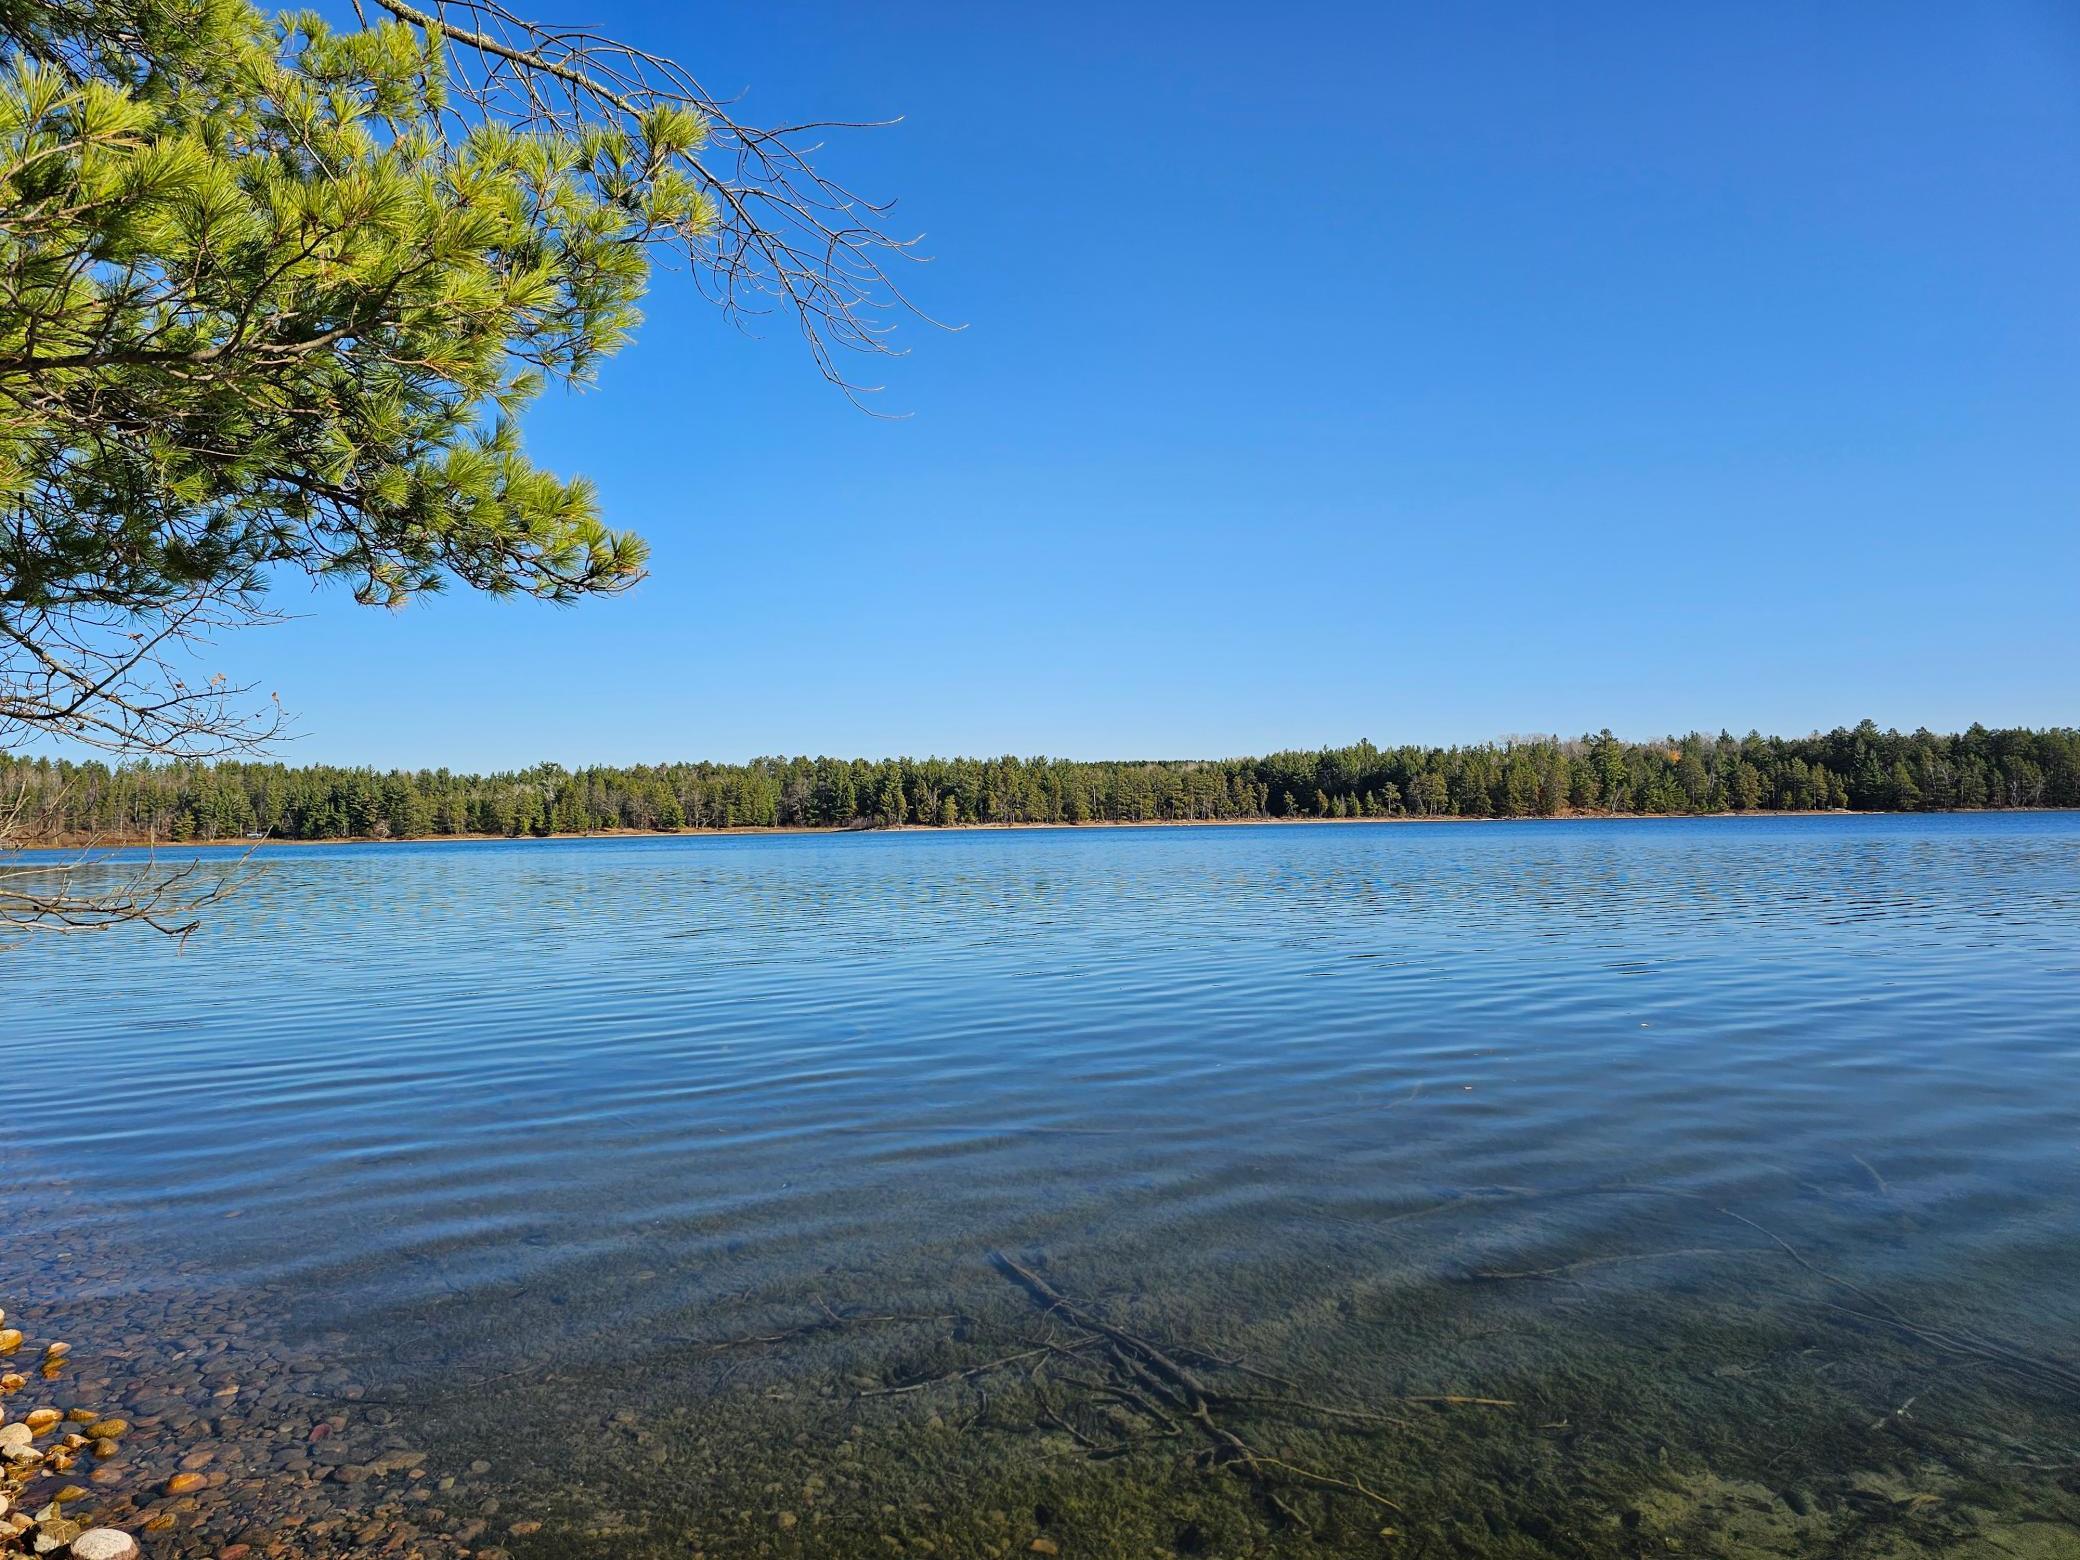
[(753, 831)]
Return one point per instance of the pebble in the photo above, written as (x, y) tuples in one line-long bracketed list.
[(105, 1544), (1044, 1546), (55, 1534), (184, 1483)]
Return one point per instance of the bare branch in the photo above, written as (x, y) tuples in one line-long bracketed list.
[(115, 676), (789, 236), (89, 889)]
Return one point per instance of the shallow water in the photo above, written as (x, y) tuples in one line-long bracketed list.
[(1735, 1159)]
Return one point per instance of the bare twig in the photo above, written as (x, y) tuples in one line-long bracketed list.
[(788, 234)]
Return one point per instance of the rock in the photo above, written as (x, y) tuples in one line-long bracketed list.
[(184, 1483), (54, 1535), (16, 1434), (104, 1544), (107, 1429), (1044, 1546), (10, 1339), (787, 1519), (41, 1419)]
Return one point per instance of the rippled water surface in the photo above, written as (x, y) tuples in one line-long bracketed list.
[(639, 1197)]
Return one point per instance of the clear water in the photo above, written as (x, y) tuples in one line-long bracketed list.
[(504, 1156)]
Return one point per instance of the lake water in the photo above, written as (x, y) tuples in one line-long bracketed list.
[(640, 1197)]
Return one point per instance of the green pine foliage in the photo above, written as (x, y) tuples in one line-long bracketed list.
[(266, 299), (1860, 767)]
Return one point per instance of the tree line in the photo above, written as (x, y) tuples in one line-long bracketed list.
[(1860, 768)]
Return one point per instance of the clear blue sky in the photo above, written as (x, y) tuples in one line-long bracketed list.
[(1413, 372)]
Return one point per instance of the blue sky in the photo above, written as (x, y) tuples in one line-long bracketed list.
[(1412, 372)]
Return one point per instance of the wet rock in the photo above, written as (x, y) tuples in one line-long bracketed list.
[(184, 1483), (1044, 1546)]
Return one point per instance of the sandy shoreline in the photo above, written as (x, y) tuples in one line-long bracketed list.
[(110, 843)]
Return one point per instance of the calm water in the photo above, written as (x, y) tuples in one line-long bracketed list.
[(611, 1186)]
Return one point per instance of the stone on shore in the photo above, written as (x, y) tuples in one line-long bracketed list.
[(104, 1544)]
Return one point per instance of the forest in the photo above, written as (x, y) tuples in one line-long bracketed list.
[(1859, 768)]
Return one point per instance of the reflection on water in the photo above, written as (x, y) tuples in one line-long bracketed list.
[(1732, 1162)]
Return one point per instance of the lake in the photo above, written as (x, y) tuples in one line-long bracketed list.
[(1577, 1188)]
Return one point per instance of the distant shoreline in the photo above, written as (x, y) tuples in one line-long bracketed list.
[(106, 843)]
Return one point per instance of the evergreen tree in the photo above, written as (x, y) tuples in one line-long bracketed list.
[(274, 295)]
